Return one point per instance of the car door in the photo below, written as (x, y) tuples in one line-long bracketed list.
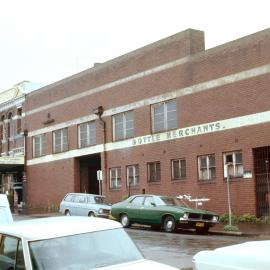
[(149, 212), (134, 207)]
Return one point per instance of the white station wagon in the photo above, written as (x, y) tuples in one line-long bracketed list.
[(83, 204), (70, 243)]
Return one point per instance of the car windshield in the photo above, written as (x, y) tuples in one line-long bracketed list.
[(171, 201), (84, 251)]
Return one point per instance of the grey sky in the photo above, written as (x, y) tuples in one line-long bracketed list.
[(45, 41)]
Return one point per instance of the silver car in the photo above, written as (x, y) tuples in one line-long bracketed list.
[(82, 204)]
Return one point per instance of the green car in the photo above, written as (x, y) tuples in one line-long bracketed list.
[(167, 212)]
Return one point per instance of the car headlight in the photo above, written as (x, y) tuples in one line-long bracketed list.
[(215, 218), (100, 211), (184, 217)]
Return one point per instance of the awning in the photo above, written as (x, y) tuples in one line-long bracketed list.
[(10, 163)]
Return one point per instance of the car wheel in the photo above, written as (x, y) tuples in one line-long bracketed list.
[(91, 214), (67, 213), (124, 219), (169, 224)]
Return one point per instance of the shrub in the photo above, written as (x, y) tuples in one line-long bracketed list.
[(231, 228)]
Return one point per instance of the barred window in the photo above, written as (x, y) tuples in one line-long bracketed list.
[(60, 140), (123, 126), (154, 174), (164, 116), (115, 177), (40, 145), (233, 164), (207, 167), (132, 175), (87, 134), (178, 169)]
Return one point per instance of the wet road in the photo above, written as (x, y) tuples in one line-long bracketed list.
[(177, 249)]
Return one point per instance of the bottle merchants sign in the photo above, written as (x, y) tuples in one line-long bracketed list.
[(12, 160)]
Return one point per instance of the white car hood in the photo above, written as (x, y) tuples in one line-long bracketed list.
[(142, 265), (5, 213)]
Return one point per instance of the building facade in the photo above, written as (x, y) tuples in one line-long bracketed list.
[(169, 118)]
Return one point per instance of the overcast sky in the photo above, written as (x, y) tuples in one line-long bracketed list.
[(44, 41)]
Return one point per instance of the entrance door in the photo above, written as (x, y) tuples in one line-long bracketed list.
[(261, 157), (88, 174)]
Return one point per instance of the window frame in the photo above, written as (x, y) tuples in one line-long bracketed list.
[(165, 112), (234, 164), (181, 176), (208, 168), (117, 178), (157, 173), (90, 141), (62, 149), (135, 177), (42, 145), (124, 125)]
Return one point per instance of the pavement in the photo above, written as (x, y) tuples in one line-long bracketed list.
[(245, 229)]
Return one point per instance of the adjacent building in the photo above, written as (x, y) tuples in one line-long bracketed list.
[(169, 118)]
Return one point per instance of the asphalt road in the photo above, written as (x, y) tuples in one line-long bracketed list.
[(177, 249)]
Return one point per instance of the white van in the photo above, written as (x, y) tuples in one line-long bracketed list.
[(5, 213)]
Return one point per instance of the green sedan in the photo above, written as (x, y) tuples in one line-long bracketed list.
[(164, 212)]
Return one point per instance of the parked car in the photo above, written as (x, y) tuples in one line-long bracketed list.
[(5, 213), (162, 211), (70, 243), (251, 255), (83, 204)]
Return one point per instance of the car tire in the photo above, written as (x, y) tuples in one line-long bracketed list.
[(91, 214), (67, 213), (124, 220), (169, 224)]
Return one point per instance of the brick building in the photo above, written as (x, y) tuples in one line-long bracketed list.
[(169, 118)]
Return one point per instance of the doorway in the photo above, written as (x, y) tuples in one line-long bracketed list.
[(89, 166), (261, 157)]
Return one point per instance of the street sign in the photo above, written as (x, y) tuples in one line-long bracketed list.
[(99, 175)]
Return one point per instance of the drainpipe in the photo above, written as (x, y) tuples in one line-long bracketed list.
[(99, 112), (25, 134)]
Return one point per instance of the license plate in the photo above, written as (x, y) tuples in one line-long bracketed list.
[(199, 224)]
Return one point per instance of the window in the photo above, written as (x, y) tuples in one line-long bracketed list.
[(164, 116), (40, 145), (154, 172), (60, 140), (207, 167), (123, 126), (115, 177), (235, 164), (149, 201), (138, 200), (87, 134), (19, 120), (11, 253), (132, 175), (178, 169)]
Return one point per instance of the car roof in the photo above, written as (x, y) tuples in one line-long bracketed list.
[(52, 227), (85, 194)]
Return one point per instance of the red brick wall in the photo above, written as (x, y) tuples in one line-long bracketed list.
[(236, 99)]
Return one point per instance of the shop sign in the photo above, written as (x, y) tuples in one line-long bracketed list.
[(8, 160)]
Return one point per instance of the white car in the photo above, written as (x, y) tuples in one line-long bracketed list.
[(70, 243), (253, 255)]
